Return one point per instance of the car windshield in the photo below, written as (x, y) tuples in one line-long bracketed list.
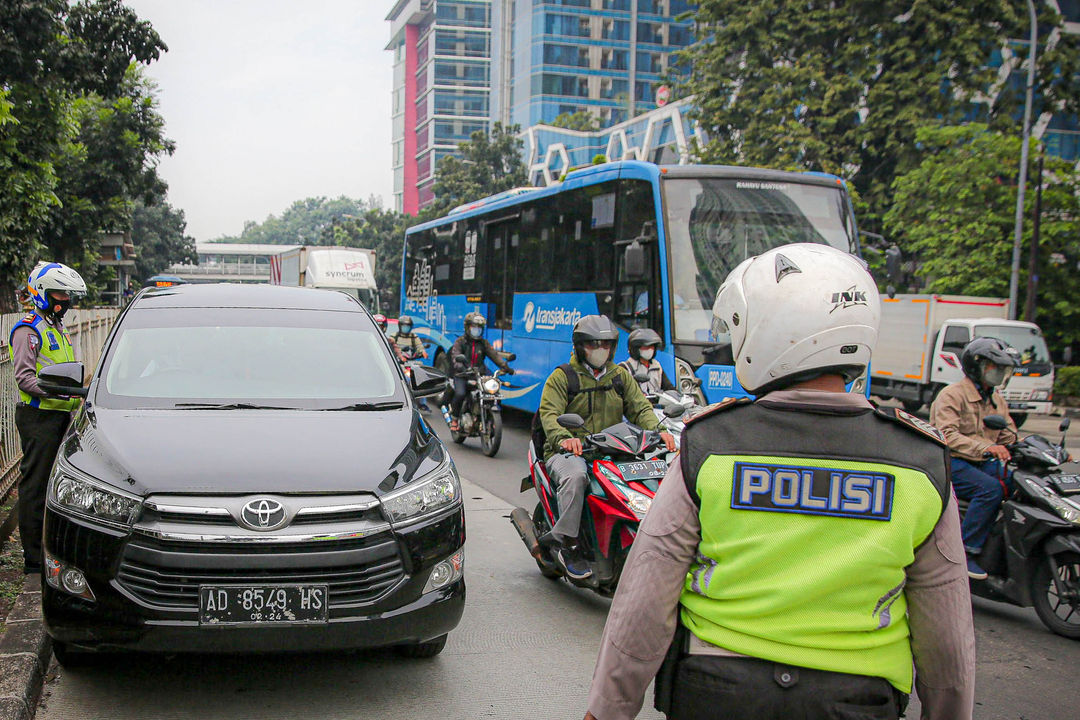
[(195, 357), (713, 224), (1027, 341)]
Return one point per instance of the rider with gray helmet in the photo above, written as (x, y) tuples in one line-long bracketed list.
[(643, 344), (474, 347)]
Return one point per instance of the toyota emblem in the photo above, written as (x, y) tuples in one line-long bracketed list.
[(263, 514)]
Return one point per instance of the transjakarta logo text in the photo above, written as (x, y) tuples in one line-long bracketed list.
[(549, 319)]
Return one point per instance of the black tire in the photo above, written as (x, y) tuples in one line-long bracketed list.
[(912, 406), (428, 649), (69, 658), (490, 440), (1061, 616), (1019, 418), (458, 436), (540, 527)]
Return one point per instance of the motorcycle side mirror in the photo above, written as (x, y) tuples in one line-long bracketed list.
[(641, 376), (995, 422), (674, 411), (571, 421), (459, 358), (1064, 424)]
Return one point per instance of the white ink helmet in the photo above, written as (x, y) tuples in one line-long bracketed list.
[(795, 312)]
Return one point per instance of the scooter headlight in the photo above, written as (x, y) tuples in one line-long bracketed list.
[(491, 386), (638, 502)]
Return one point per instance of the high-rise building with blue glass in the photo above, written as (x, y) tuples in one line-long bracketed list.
[(606, 57)]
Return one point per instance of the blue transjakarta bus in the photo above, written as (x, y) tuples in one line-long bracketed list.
[(646, 245)]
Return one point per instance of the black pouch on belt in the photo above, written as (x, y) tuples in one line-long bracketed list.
[(665, 676)]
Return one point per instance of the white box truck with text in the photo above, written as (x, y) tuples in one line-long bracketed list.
[(350, 270)]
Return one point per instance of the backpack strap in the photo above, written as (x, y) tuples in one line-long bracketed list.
[(573, 383)]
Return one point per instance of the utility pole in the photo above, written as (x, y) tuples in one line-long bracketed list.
[(1014, 279), (1033, 251)]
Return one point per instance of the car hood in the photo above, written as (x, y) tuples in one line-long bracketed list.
[(251, 451)]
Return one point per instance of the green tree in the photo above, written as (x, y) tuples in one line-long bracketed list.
[(841, 87), (488, 164), (305, 222), (52, 53), (384, 232), (955, 210), (582, 120), (158, 234)]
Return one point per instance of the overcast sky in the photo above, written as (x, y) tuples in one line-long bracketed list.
[(271, 101)]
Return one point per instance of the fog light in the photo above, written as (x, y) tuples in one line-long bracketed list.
[(73, 581), (446, 572), (67, 578)]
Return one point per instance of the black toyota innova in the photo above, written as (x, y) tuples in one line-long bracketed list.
[(249, 473)]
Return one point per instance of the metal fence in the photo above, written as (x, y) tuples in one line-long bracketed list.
[(87, 329)]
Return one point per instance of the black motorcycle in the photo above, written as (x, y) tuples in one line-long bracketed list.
[(481, 413), (1033, 552)]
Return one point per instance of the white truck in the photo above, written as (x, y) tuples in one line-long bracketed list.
[(350, 270), (920, 340)]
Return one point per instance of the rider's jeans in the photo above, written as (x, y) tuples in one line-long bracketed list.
[(570, 474), (461, 389), (980, 485)]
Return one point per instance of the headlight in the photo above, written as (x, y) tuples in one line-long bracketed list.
[(1040, 395), (78, 494), (437, 490), (491, 386), (638, 502)]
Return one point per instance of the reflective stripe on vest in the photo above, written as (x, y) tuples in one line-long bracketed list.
[(54, 346), (802, 561)]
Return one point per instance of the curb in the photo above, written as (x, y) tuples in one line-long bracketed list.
[(25, 651)]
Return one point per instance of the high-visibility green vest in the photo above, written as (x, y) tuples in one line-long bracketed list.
[(803, 554), (54, 346)]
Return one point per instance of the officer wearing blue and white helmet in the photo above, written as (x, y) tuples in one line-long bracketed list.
[(37, 340), (805, 552)]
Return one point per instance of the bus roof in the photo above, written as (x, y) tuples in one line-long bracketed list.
[(593, 174)]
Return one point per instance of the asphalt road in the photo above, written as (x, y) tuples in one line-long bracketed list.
[(525, 648)]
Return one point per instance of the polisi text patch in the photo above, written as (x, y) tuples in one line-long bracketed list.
[(813, 491)]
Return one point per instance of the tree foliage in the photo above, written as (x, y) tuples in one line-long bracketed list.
[(158, 233), (582, 120), (302, 223), (956, 211), (61, 64), (488, 164), (841, 87)]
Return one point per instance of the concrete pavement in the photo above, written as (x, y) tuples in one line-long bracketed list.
[(525, 649)]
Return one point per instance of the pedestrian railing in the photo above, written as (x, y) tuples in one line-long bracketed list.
[(87, 329)]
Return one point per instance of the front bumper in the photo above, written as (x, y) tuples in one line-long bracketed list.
[(146, 593)]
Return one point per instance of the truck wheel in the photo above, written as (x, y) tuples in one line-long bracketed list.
[(912, 406), (1060, 614), (1018, 418)]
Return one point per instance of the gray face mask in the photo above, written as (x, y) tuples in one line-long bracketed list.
[(475, 332), (597, 358), (647, 353), (993, 375)]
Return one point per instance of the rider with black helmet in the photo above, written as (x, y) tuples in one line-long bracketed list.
[(977, 451), (605, 393), (643, 344), (475, 348)]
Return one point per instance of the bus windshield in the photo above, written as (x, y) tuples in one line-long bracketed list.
[(713, 224)]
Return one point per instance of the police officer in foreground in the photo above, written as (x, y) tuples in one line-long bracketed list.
[(38, 340), (602, 393), (978, 452), (806, 549)]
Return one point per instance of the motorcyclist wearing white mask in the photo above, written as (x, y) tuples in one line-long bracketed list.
[(475, 348), (602, 393), (643, 344)]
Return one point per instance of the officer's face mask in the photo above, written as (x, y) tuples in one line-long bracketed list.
[(994, 374), (597, 354), (475, 332), (58, 306), (647, 353)]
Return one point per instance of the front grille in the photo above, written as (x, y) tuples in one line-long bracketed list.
[(168, 574)]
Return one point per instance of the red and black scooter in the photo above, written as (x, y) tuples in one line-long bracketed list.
[(626, 465)]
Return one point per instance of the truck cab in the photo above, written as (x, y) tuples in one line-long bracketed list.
[(1029, 390)]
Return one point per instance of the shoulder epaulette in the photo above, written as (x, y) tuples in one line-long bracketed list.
[(721, 406), (912, 423), (29, 318)]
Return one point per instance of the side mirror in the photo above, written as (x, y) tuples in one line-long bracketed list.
[(63, 379), (894, 262), (571, 421), (426, 381), (674, 411), (1064, 424), (634, 261), (641, 376), (995, 422), (460, 359)]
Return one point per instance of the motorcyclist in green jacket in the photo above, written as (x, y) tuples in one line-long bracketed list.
[(605, 394)]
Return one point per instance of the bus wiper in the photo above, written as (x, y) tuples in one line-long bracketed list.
[(387, 405), (231, 406)]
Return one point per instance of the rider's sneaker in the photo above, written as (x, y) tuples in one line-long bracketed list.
[(975, 572), (575, 567)]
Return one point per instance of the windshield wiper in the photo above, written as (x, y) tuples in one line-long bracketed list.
[(387, 405), (231, 406)]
